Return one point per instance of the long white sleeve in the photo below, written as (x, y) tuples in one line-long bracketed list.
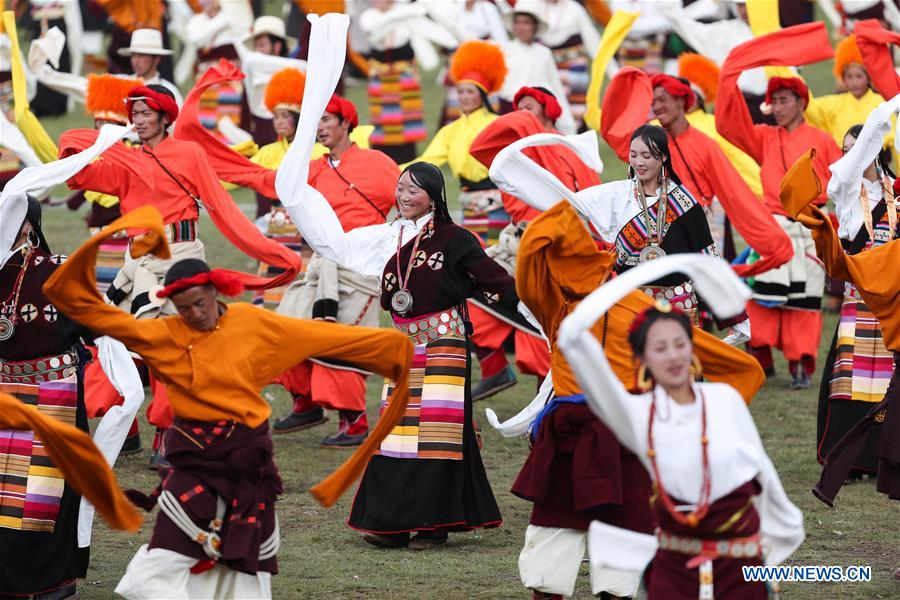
[(73, 86), (515, 173), (113, 427), (847, 173), (258, 69)]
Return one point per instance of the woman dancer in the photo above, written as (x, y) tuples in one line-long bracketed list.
[(697, 441), (859, 367)]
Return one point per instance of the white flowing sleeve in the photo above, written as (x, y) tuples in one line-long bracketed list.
[(515, 173), (258, 69), (847, 173), (113, 428), (622, 412), (361, 249)]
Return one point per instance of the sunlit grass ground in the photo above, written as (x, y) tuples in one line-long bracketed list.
[(322, 558)]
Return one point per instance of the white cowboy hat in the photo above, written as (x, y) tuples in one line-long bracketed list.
[(269, 25), (522, 8), (145, 41)]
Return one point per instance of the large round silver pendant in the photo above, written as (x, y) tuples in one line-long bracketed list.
[(651, 253), (401, 301), (7, 329)]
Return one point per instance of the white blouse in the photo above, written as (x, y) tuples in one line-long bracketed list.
[(736, 453), (847, 173)]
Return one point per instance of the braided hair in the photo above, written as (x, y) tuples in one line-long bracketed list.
[(429, 178)]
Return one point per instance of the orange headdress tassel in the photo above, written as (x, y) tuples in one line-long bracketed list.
[(285, 90), (479, 63), (106, 95)]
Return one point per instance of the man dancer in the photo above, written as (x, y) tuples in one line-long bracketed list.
[(172, 175), (785, 310)]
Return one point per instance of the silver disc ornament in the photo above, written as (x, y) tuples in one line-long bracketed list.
[(401, 301), (651, 253)]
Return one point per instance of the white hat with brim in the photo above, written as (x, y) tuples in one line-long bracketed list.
[(145, 41), (269, 25), (521, 9)]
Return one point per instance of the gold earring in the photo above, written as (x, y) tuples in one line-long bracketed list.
[(644, 381), (696, 369)]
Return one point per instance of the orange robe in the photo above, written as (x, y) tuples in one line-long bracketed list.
[(218, 374), (873, 41), (702, 166), (559, 265)]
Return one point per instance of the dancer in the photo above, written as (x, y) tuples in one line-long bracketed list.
[(558, 265), (859, 367), (217, 533), (837, 113), (866, 270), (646, 216), (785, 310), (709, 524), (173, 175), (708, 174), (42, 358), (428, 477), (492, 327)]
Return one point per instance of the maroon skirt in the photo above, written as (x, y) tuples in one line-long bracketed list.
[(729, 517)]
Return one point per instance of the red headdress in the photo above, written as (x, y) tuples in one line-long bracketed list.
[(846, 53), (344, 109), (675, 87), (702, 72), (285, 90), (551, 105), (479, 63), (224, 282), (795, 84), (105, 98), (156, 100)]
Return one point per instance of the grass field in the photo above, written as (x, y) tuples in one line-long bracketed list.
[(322, 558)]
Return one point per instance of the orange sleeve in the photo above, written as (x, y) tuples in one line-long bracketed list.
[(626, 104), (558, 262), (104, 176), (73, 286), (748, 215), (384, 351), (228, 165), (75, 454)]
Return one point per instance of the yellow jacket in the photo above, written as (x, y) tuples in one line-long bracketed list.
[(452, 142), (746, 166), (836, 113)]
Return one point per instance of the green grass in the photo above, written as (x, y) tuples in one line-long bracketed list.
[(322, 558)]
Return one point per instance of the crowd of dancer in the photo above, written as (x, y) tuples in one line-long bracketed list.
[(647, 308)]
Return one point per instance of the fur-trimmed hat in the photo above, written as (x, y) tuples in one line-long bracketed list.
[(479, 63), (285, 90), (106, 95), (702, 72), (845, 54)]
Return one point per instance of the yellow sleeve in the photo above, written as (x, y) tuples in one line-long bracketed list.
[(31, 128), (101, 199), (613, 35), (820, 111)]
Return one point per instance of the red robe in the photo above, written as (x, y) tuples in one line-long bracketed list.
[(702, 166), (775, 148), (137, 179)]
